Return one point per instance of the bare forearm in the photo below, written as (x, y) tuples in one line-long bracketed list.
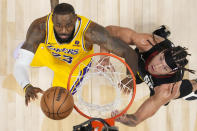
[(125, 34), (146, 110), (131, 120), (163, 94)]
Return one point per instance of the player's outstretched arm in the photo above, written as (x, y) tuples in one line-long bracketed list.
[(123, 33), (53, 4), (143, 41), (163, 94), (35, 35), (31, 93), (99, 35)]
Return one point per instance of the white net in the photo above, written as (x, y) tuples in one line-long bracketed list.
[(103, 88)]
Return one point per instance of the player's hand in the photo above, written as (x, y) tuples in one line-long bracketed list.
[(31, 93), (122, 119), (126, 119), (143, 41), (126, 85), (165, 92), (105, 65)]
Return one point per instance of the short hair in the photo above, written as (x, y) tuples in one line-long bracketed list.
[(63, 9)]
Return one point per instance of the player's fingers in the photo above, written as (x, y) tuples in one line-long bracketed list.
[(27, 99), (169, 88), (125, 90), (38, 90), (112, 69), (174, 89), (120, 85), (26, 103), (150, 39), (124, 116), (41, 91), (113, 114), (117, 119), (34, 96), (98, 67), (128, 91)]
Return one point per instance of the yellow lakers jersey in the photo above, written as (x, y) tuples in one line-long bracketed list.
[(62, 57)]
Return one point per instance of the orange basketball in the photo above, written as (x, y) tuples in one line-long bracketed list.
[(57, 103)]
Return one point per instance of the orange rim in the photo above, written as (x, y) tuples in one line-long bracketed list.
[(134, 85)]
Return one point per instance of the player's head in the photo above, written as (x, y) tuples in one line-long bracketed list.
[(64, 19), (169, 61)]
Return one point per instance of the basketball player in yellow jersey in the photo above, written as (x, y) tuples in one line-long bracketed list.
[(58, 41)]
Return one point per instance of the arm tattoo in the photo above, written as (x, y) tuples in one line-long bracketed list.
[(132, 120), (99, 35), (35, 35)]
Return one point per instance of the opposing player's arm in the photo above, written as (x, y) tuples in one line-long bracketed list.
[(125, 34), (53, 4), (163, 94), (194, 84), (99, 35), (143, 41), (35, 35)]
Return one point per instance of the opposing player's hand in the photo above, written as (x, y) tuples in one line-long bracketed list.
[(165, 92), (122, 119), (31, 93), (104, 65), (143, 41), (126, 85), (126, 119)]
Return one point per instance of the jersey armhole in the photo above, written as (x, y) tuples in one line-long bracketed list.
[(83, 37), (47, 28)]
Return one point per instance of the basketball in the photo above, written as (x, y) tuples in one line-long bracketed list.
[(57, 103)]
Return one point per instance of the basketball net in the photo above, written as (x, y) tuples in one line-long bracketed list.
[(105, 87)]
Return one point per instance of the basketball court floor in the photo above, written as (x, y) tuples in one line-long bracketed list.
[(140, 15)]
